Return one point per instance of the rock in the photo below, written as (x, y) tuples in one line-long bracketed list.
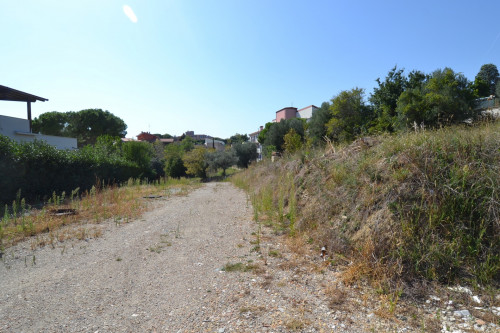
[(480, 322), (461, 313), (476, 299), (222, 330)]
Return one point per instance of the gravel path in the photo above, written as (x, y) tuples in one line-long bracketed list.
[(162, 273), (158, 273)]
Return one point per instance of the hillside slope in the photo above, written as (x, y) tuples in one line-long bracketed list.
[(420, 206)]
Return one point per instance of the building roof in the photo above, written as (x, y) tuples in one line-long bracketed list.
[(9, 94), (167, 140), (288, 107), (308, 107)]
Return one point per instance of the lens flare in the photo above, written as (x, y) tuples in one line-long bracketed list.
[(130, 13)]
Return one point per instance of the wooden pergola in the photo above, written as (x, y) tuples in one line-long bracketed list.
[(9, 94)]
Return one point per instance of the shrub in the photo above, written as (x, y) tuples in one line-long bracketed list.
[(38, 169)]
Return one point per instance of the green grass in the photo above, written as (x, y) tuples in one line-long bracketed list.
[(238, 267)]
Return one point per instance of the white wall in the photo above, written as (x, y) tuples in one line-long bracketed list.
[(18, 130), (306, 113)]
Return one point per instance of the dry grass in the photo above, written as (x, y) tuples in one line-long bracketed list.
[(335, 296), (268, 279), (397, 209), (296, 245), (54, 222)]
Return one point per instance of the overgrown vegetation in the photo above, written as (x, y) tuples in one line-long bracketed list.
[(417, 205), (37, 169), (399, 102)]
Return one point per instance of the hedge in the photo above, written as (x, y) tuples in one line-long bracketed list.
[(38, 169)]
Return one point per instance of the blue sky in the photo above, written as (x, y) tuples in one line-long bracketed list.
[(221, 67)]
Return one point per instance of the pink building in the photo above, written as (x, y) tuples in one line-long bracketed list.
[(286, 113)]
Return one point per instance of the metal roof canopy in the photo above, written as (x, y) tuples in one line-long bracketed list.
[(9, 94)]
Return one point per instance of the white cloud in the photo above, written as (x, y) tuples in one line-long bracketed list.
[(130, 13)]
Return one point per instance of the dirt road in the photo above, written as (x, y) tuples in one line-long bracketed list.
[(159, 273), (162, 273)]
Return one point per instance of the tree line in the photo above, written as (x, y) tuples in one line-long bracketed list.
[(85, 125), (398, 102), (37, 169)]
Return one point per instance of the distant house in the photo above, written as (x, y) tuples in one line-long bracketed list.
[(284, 114), (488, 106), (148, 137), (291, 112), (20, 130), (254, 138), (307, 112), (197, 137), (167, 141), (215, 144)]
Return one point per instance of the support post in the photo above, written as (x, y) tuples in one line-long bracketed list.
[(29, 114)]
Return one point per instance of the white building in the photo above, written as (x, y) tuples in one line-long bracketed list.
[(307, 112), (216, 144), (20, 129)]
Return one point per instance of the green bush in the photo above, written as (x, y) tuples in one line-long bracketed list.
[(38, 169)]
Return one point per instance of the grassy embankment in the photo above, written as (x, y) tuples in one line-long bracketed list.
[(414, 206), (84, 211)]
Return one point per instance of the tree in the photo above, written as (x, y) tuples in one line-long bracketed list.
[(195, 162), (51, 123), (238, 138), (317, 124), (263, 134), (222, 159), (141, 154), (481, 87), (246, 153), (163, 136), (87, 125), (187, 144), (384, 100), (292, 141), (350, 115), (107, 145), (174, 166), (158, 160), (277, 131), (444, 97), (489, 74)]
